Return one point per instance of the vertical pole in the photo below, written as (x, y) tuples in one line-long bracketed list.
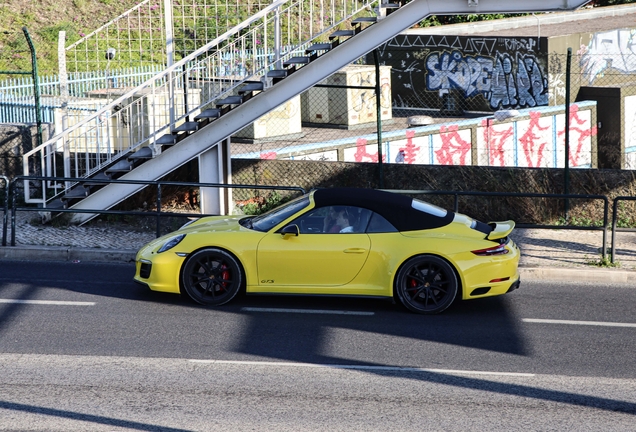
[(277, 33), (36, 86), (566, 173), (61, 56), (378, 106), (167, 10)]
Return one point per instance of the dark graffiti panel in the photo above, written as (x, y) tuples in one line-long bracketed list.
[(481, 73)]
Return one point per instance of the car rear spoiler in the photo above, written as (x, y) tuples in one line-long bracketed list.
[(500, 229)]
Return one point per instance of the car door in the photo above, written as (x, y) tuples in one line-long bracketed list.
[(312, 258)]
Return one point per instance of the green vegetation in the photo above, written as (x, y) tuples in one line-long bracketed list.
[(604, 262), (261, 204), (43, 20)]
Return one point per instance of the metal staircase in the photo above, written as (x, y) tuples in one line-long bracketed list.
[(149, 151)]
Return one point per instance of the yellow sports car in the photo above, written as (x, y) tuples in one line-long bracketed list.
[(340, 242)]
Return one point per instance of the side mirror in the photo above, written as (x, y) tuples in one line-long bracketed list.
[(290, 230)]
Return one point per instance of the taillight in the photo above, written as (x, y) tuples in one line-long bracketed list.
[(495, 250)]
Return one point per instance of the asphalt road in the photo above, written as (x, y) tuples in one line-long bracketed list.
[(84, 348)]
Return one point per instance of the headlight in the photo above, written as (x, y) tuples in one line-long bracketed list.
[(171, 242)]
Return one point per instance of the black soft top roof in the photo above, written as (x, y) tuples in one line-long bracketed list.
[(397, 209)]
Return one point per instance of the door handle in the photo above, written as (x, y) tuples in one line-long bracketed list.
[(355, 250)]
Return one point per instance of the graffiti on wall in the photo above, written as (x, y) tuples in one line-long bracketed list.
[(505, 81), (539, 141), (534, 139), (614, 49), (493, 73)]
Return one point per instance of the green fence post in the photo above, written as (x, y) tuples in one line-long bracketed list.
[(36, 86)]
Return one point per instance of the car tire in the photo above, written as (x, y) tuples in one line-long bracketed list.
[(426, 284), (211, 277)]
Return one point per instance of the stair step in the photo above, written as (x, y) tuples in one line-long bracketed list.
[(209, 114), (319, 47), (167, 139), (278, 73), (389, 6), (119, 167), (296, 61), (187, 127), (231, 100), (76, 193), (342, 33), (55, 204), (364, 20), (143, 153), (251, 87), (97, 180)]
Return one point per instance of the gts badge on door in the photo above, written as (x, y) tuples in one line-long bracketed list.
[(267, 281)]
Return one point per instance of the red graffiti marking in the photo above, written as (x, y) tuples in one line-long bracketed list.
[(495, 142), (410, 151), (268, 155), (531, 143), (452, 146), (362, 154), (577, 126)]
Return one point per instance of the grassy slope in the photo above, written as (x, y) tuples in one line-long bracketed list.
[(44, 19)]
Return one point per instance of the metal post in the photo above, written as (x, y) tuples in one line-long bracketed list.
[(36, 86), (61, 55), (378, 106), (566, 173), (167, 10), (277, 37)]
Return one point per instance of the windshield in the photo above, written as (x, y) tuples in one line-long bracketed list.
[(269, 220)]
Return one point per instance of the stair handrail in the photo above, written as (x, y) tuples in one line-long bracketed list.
[(44, 150), (164, 73)]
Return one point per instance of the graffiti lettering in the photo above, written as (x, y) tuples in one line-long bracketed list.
[(581, 128), (613, 49), (409, 152), (506, 82), (496, 141), (532, 144), (362, 155), (455, 149)]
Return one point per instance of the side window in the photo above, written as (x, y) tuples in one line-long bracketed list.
[(378, 224), (334, 220), (312, 222)]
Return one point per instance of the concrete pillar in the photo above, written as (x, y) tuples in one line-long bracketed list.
[(214, 167)]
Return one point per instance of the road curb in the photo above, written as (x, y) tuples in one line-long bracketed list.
[(75, 254), (65, 253), (578, 274)]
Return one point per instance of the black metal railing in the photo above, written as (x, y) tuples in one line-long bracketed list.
[(5, 208), (158, 213), (457, 194), (10, 197), (615, 222)]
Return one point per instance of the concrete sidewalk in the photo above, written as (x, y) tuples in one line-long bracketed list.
[(558, 255)]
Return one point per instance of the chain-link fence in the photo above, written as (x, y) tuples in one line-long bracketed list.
[(491, 102)]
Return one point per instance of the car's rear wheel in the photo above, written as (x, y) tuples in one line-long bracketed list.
[(426, 284), (211, 277)]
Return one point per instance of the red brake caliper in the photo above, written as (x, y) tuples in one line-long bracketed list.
[(225, 274)]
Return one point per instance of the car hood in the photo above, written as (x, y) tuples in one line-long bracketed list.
[(214, 224)]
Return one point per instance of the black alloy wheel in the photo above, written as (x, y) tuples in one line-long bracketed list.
[(211, 277), (426, 284)]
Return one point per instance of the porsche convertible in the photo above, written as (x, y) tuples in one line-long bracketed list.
[(337, 242)]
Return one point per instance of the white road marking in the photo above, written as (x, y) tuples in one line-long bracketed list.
[(361, 367), (306, 311), (48, 302), (582, 323)]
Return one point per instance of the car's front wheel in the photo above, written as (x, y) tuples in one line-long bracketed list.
[(426, 284), (211, 277)]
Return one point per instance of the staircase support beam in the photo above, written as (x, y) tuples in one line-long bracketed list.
[(304, 78)]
